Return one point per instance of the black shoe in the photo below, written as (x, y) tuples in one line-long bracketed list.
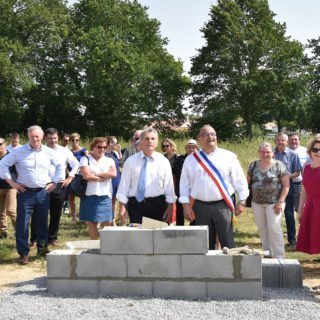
[(43, 252), (4, 235), (293, 242)]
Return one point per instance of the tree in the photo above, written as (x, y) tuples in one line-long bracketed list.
[(313, 115), (127, 78), (247, 64)]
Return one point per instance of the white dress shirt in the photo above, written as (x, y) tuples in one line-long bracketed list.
[(66, 157), (98, 188), (33, 166), (196, 183), (10, 147), (303, 157), (159, 179)]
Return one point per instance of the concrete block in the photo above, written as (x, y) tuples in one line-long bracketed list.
[(181, 240), (60, 264), (176, 289), (291, 273), (90, 265), (126, 240), (85, 244), (73, 287), (250, 268), (235, 290), (154, 266), (271, 273), (125, 288), (212, 265)]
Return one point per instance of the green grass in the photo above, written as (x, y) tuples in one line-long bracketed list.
[(245, 228)]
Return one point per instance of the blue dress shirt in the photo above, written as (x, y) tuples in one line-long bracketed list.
[(33, 166)]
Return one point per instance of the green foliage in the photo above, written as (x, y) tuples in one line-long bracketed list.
[(99, 67), (247, 67)]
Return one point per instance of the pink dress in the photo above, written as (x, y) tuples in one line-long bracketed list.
[(309, 232)]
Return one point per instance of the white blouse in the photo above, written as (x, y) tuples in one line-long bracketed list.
[(98, 188)]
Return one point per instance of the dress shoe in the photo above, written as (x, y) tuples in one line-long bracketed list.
[(23, 259), (54, 243), (32, 245), (42, 252)]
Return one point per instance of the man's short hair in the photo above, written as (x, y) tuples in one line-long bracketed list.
[(294, 134), (50, 131), (281, 134), (33, 128), (149, 130), (14, 135)]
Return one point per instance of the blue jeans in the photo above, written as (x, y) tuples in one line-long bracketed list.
[(35, 203), (289, 214)]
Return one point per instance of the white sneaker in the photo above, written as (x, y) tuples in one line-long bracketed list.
[(66, 211)]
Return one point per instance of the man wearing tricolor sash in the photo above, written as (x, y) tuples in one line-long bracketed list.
[(212, 176)]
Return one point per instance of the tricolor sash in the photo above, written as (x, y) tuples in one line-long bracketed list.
[(215, 175)]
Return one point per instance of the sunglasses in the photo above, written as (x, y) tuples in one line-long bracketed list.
[(315, 150), (166, 146), (101, 147), (66, 140), (75, 140)]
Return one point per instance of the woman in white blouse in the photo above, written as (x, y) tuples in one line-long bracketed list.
[(96, 205)]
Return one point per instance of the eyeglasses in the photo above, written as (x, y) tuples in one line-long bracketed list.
[(101, 147), (208, 134), (166, 146), (136, 139), (75, 140), (315, 150), (66, 140)]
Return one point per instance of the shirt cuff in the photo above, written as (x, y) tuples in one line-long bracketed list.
[(122, 198), (184, 200), (171, 199)]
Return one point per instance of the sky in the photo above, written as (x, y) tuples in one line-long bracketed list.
[(181, 21)]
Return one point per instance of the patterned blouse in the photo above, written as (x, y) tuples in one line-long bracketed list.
[(266, 184)]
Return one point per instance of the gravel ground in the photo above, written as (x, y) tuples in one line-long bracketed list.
[(30, 300)]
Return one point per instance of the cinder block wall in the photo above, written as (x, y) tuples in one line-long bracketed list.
[(169, 262)]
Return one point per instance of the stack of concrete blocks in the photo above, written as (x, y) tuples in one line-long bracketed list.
[(169, 262), (282, 273)]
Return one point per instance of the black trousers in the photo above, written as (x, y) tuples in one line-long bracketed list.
[(57, 197), (153, 208), (218, 217)]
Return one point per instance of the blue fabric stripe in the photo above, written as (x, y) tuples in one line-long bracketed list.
[(215, 170)]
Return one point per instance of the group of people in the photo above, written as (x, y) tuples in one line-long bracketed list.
[(206, 186)]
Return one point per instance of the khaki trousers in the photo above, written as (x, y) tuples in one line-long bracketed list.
[(269, 225), (8, 207)]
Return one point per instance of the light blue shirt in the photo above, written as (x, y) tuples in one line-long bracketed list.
[(33, 166)]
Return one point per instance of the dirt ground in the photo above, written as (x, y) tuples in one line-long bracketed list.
[(14, 273)]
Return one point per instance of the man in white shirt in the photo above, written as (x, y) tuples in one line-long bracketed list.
[(57, 196), (294, 145), (146, 184), (15, 139), (209, 207)]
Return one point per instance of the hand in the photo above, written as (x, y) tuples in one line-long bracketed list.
[(239, 209), (188, 213), (66, 182), (50, 187), (277, 208), (19, 187), (168, 213)]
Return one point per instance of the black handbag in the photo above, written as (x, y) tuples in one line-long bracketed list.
[(78, 185), (249, 199)]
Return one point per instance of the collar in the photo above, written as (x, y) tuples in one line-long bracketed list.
[(286, 150), (32, 149)]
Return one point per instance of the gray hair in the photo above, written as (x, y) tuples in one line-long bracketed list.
[(149, 130), (34, 128), (281, 134), (265, 145)]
